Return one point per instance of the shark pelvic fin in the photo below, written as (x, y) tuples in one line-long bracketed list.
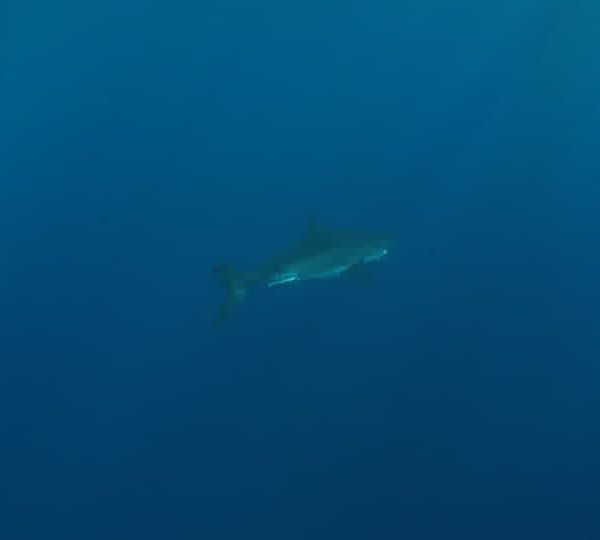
[(235, 290)]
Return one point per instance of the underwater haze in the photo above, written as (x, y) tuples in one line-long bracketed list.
[(144, 143)]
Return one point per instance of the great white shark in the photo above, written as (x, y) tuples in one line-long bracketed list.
[(318, 254)]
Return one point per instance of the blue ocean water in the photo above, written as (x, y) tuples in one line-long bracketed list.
[(141, 143)]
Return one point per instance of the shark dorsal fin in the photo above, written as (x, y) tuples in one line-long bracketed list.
[(313, 230), (315, 233)]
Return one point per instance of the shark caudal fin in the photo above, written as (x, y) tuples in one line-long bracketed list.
[(235, 290)]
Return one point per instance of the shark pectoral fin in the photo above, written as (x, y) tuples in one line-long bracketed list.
[(361, 273), (235, 291)]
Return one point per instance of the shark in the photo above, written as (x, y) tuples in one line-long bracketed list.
[(319, 253)]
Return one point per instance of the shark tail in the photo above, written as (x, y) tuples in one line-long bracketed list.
[(235, 290)]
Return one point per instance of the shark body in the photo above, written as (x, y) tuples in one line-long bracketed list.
[(319, 254)]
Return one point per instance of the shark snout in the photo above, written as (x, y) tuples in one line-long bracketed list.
[(379, 250)]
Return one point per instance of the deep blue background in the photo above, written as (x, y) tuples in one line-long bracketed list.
[(143, 142)]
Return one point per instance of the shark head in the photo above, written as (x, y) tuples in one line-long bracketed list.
[(377, 249)]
